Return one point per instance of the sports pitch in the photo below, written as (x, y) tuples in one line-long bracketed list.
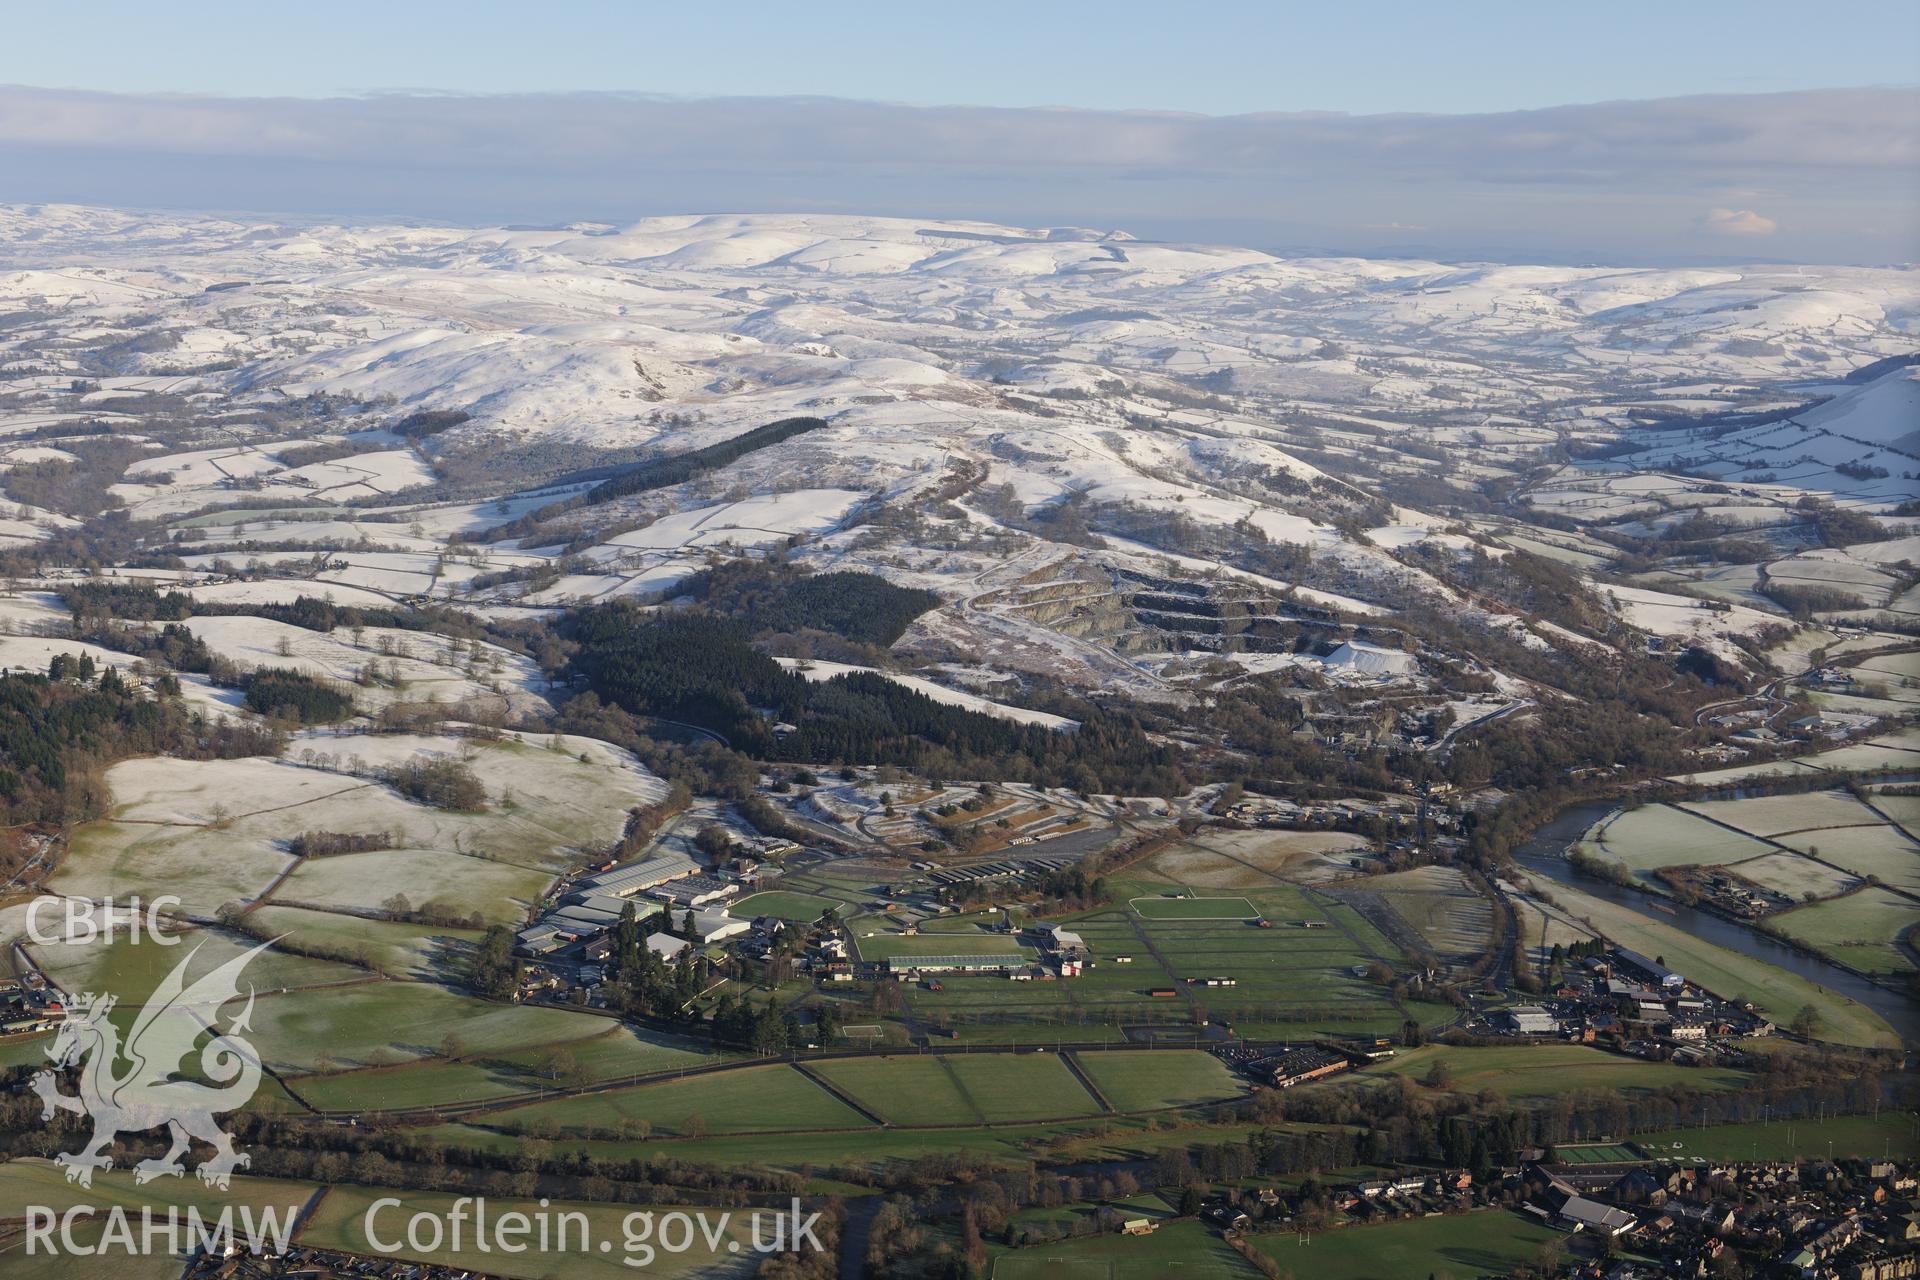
[(1597, 1153)]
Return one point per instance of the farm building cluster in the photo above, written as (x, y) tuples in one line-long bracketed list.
[(676, 901), (1632, 1001), (29, 1005)]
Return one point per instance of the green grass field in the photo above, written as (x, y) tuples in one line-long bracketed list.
[(25, 1051), (341, 1223), (1539, 1071), (1163, 908), (131, 970), (1885, 852), (1595, 1153), (750, 1100), (1177, 1249), (383, 1023), (1659, 835), (1103, 1137), (1862, 929), (203, 867), (802, 907), (1036, 1033), (966, 922), (500, 891), (1022, 1088), (1151, 1080), (1490, 1242), (602, 1052), (1287, 974), (34, 1182), (987, 1089), (797, 1151), (906, 1091), (1891, 1134), (391, 947)]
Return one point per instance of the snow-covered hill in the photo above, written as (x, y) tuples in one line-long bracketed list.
[(577, 330), (1310, 425)]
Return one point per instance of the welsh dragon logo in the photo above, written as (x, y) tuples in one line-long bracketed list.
[(132, 1088)]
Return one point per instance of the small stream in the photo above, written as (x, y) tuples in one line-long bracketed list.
[(1546, 855)]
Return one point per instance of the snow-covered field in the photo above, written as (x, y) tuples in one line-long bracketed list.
[(1235, 390), (1041, 425), (213, 832), (384, 664)]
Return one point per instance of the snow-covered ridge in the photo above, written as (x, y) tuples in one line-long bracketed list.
[(1193, 386)]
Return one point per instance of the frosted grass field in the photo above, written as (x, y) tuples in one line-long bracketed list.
[(500, 891), (1772, 815), (1867, 930), (1659, 835), (1795, 876), (1438, 903), (429, 667), (387, 1023), (1884, 852), (214, 832)]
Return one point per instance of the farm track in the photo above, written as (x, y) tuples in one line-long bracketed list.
[(45, 860), (835, 1091), (222, 823), (1086, 1082), (960, 1087), (1867, 800), (1375, 911)]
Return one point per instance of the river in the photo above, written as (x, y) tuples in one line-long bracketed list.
[(1545, 854)]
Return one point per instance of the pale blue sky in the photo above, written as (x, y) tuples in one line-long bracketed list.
[(1227, 57), (1606, 131)]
